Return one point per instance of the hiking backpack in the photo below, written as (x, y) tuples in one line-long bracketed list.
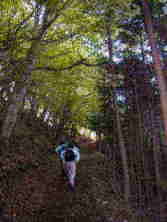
[(69, 155)]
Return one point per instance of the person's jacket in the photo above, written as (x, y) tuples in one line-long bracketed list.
[(61, 149)]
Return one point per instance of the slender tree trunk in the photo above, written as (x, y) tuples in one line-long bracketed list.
[(119, 129), (34, 105), (45, 115), (157, 157), (157, 61), (123, 153), (139, 145)]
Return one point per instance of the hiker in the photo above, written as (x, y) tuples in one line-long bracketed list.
[(69, 155)]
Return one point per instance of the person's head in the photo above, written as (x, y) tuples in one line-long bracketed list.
[(70, 144), (62, 142)]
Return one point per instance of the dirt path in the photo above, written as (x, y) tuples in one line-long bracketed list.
[(41, 194)]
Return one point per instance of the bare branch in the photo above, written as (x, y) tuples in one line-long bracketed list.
[(95, 64), (52, 69), (80, 62)]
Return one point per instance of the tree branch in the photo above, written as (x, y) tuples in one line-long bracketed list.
[(59, 40), (23, 22), (46, 23), (52, 69), (80, 62), (95, 64)]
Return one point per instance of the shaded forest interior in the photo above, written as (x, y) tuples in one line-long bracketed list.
[(96, 67)]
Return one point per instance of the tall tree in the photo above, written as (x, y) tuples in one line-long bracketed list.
[(45, 14), (122, 145), (158, 64), (108, 25)]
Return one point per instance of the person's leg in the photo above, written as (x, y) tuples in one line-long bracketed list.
[(71, 173)]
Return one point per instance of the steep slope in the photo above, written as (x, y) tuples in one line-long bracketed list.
[(33, 189), (40, 193)]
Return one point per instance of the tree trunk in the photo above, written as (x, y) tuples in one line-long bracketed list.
[(12, 112), (17, 100), (45, 115), (162, 87), (157, 61), (157, 158), (119, 129), (139, 146), (123, 153), (18, 97)]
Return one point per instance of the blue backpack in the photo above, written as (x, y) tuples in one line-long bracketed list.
[(69, 155)]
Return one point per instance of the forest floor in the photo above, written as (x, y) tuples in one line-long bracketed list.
[(33, 189)]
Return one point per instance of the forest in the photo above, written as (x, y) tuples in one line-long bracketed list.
[(68, 67)]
